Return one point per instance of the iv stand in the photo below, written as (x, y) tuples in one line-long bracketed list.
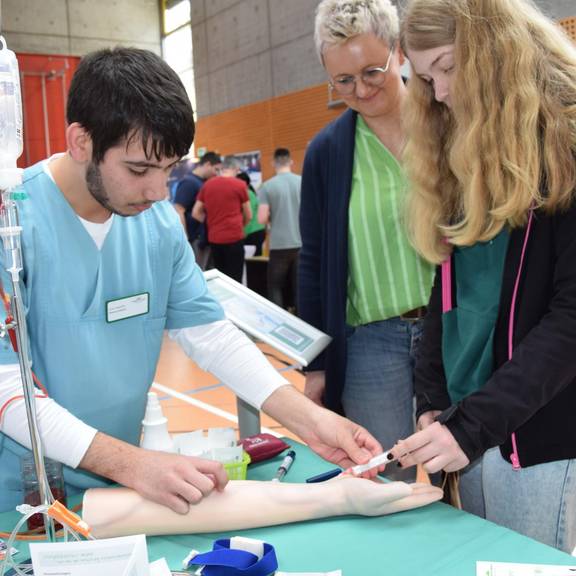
[(10, 231)]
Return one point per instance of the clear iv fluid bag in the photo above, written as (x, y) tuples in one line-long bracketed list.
[(10, 151), (11, 144)]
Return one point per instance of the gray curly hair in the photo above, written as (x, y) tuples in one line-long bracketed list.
[(340, 20)]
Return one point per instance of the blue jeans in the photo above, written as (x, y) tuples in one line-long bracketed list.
[(379, 388), (538, 501)]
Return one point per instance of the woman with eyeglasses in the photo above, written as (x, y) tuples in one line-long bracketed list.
[(359, 280), (491, 124)]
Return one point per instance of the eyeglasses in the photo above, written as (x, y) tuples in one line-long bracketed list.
[(374, 77)]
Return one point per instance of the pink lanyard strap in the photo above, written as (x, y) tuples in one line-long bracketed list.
[(516, 285), (514, 458), (447, 285)]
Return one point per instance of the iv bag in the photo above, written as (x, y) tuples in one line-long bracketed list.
[(11, 144)]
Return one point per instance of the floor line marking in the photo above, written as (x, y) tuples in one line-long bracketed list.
[(207, 407)]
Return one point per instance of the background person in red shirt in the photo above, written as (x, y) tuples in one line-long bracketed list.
[(224, 204)]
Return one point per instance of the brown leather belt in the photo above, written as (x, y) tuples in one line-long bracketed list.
[(416, 314)]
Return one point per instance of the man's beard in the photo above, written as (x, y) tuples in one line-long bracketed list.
[(96, 188)]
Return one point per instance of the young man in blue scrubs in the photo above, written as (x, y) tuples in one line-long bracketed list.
[(107, 269)]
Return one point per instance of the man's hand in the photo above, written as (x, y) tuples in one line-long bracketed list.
[(175, 481), (341, 441), (314, 386), (331, 436), (434, 447), (169, 479)]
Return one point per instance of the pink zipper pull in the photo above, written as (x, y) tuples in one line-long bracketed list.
[(515, 461), (514, 456)]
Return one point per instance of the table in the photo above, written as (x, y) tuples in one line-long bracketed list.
[(435, 540)]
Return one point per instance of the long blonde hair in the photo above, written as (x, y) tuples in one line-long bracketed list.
[(508, 142)]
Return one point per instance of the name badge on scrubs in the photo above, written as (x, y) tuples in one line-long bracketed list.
[(128, 307)]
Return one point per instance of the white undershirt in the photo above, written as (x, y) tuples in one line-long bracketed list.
[(218, 347), (97, 230)]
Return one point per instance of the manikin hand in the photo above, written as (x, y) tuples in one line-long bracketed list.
[(377, 498), (246, 504), (314, 386), (434, 447)]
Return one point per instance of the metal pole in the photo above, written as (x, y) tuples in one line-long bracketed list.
[(248, 419), (64, 96), (45, 116), (10, 231), (29, 399)]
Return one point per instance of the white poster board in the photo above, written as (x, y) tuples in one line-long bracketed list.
[(266, 321), (251, 164)]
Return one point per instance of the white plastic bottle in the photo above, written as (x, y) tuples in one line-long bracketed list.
[(11, 144), (155, 435)]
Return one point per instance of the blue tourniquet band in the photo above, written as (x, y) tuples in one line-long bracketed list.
[(222, 561)]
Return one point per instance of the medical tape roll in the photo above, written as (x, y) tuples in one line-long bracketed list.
[(225, 560)]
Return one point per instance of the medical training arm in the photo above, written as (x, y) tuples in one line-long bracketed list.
[(245, 504), (65, 438)]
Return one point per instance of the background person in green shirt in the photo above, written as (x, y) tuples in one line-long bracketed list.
[(360, 280), (254, 232)]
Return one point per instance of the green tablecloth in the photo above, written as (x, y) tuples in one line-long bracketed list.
[(436, 540)]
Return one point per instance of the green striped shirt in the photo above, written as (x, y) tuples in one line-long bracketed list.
[(385, 276)]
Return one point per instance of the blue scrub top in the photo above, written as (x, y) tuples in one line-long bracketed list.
[(98, 370)]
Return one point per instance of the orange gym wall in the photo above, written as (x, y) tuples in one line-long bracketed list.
[(289, 121)]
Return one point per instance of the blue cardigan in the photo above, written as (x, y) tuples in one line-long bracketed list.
[(323, 268)]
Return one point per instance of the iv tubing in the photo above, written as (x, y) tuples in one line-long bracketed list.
[(42, 509)]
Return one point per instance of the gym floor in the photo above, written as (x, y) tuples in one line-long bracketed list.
[(175, 370)]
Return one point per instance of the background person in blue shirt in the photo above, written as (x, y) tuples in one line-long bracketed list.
[(186, 190), (107, 269)]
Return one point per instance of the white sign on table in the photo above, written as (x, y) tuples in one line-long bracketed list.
[(126, 556)]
